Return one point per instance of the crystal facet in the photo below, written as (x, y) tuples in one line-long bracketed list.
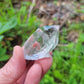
[(41, 42)]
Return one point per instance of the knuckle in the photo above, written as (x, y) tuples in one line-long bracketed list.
[(8, 72)]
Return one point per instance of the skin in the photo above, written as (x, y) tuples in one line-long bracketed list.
[(20, 71)]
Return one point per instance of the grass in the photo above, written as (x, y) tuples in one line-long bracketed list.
[(14, 23), (68, 61)]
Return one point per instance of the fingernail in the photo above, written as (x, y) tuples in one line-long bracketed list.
[(15, 50)]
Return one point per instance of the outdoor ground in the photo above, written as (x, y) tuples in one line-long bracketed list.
[(19, 19)]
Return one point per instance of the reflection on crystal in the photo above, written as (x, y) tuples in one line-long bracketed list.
[(42, 41)]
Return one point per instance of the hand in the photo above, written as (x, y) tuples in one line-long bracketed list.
[(19, 71)]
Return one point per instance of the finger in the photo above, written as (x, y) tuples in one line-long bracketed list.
[(51, 53), (14, 68), (34, 75), (37, 71), (36, 45), (45, 64), (22, 78), (30, 63)]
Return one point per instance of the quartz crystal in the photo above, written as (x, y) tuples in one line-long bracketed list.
[(41, 42)]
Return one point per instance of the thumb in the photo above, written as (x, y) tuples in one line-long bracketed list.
[(14, 68)]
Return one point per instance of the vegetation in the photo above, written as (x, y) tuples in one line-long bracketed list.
[(13, 24), (68, 58), (68, 62)]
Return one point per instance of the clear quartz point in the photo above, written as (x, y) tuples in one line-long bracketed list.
[(41, 42)]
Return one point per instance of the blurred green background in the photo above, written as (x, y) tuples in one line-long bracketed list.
[(68, 57)]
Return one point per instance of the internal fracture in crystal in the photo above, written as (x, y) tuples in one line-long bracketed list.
[(41, 42)]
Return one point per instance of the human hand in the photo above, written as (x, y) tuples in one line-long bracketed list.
[(20, 71)]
